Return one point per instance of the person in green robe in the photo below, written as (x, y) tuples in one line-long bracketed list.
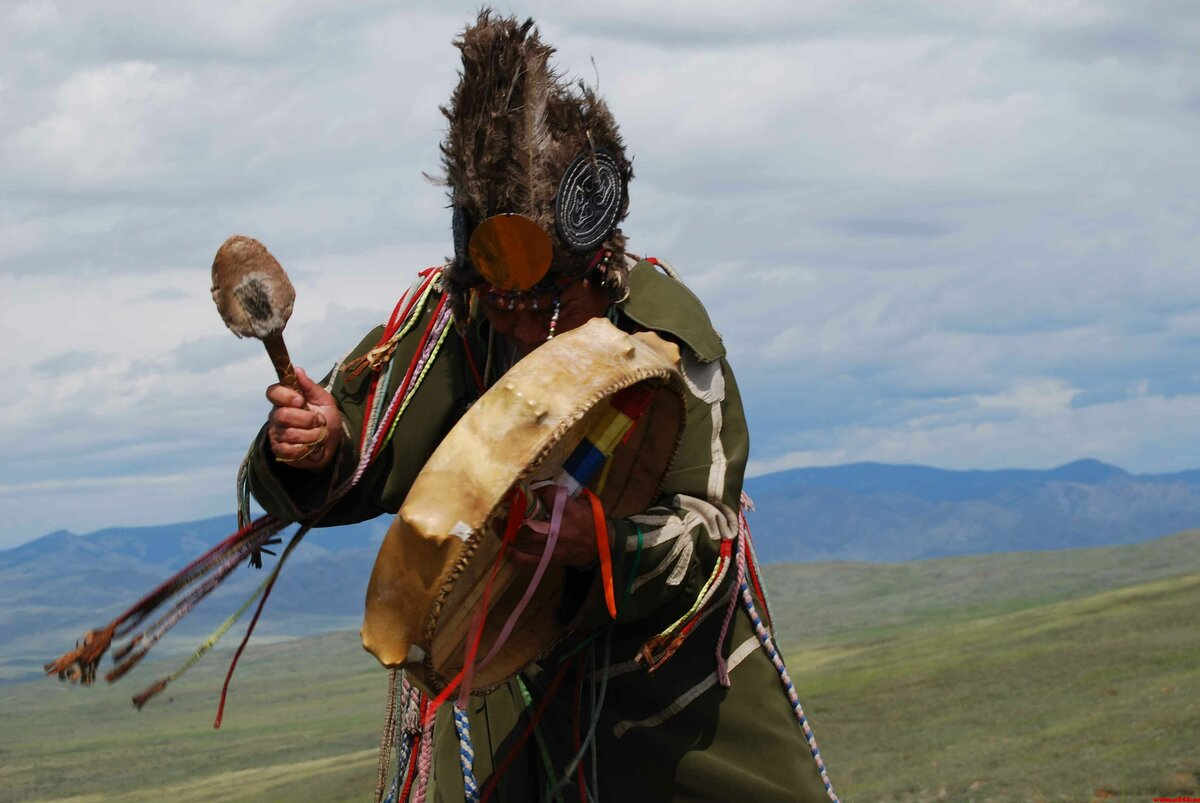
[(716, 719)]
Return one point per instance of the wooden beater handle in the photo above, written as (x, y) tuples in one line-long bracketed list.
[(283, 363)]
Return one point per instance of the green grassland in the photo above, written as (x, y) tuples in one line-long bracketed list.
[(1043, 676), (302, 723), (842, 601)]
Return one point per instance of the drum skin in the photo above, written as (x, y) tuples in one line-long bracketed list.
[(439, 552)]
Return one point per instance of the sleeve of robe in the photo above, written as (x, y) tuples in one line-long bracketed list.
[(436, 405)]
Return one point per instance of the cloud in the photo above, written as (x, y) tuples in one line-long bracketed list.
[(68, 362), (1031, 425), (932, 232)]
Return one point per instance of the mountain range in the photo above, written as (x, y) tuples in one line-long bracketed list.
[(53, 587), (878, 512)]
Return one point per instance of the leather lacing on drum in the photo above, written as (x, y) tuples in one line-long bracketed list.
[(472, 543)]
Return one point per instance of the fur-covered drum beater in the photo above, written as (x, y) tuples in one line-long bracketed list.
[(254, 296)]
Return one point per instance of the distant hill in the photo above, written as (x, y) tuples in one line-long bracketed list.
[(54, 587), (820, 601), (984, 693), (877, 512)]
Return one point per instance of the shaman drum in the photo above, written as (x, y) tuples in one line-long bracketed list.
[(442, 550)]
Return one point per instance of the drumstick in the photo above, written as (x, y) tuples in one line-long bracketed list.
[(254, 296)]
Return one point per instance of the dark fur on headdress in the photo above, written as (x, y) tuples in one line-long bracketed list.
[(514, 127)]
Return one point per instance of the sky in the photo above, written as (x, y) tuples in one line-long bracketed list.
[(957, 234)]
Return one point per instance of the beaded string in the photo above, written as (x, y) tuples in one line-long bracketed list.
[(554, 317)]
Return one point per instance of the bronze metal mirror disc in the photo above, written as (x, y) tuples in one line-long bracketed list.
[(511, 252)]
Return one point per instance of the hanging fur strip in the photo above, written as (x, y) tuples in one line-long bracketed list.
[(79, 665)]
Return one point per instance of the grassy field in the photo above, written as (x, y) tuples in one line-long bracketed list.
[(302, 723), (831, 602), (1093, 698), (1055, 676)]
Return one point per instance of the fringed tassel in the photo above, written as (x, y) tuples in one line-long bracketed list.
[(396, 329), (266, 593), (144, 697), (152, 634), (79, 665), (242, 489)]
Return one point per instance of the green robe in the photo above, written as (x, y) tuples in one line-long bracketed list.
[(675, 734)]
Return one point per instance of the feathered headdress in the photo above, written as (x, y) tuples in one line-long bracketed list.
[(522, 140)]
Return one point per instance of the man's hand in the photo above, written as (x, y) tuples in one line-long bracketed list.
[(305, 428), (576, 544)]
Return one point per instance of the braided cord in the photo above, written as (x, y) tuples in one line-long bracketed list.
[(722, 666), (466, 755), (388, 740), (424, 761), (207, 644), (768, 645), (407, 730), (423, 366)]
